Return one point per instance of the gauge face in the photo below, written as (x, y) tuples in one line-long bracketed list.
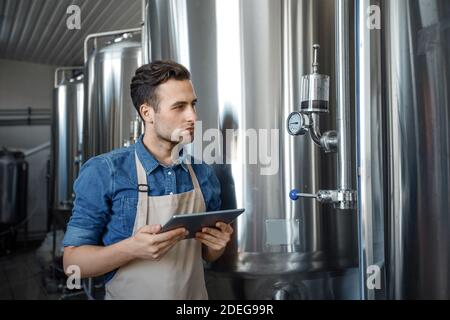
[(295, 124)]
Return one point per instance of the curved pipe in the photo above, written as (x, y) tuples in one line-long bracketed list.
[(315, 133)]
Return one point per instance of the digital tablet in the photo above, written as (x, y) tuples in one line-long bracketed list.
[(194, 222)]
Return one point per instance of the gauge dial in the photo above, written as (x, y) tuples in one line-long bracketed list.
[(295, 124)]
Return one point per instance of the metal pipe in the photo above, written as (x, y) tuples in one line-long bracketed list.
[(105, 34), (24, 112), (37, 149), (144, 35), (316, 64), (25, 122), (23, 117), (57, 70), (372, 186), (344, 173), (315, 133)]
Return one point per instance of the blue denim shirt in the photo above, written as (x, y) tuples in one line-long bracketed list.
[(106, 193)]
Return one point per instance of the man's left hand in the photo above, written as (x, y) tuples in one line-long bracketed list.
[(215, 239)]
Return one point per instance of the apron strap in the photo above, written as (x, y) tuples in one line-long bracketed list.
[(143, 189), (193, 177)]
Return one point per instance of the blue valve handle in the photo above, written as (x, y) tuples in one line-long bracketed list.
[(294, 194)]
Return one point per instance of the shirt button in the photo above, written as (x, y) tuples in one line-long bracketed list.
[(169, 173), (171, 193)]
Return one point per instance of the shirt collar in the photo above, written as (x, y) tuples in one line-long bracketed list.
[(150, 163)]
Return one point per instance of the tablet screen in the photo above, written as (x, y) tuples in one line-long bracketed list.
[(194, 222)]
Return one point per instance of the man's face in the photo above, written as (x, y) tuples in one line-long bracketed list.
[(176, 115)]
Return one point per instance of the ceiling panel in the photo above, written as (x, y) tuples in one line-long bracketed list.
[(36, 30)]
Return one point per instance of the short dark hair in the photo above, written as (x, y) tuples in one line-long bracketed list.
[(149, 76)]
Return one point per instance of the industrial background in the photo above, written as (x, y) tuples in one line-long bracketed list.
[(358, 89)]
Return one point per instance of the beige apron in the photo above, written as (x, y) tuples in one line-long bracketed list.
[(179, 273)]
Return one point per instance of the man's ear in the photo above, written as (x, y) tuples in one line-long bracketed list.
[(147, 113)]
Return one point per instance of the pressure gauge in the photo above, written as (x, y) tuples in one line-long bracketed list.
[(296, 124)]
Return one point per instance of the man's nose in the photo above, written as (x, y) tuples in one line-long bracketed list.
[(191, 115)]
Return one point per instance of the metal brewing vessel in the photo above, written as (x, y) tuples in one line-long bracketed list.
[(109, 112), (247, 58), (67, 139), (404, 143), (13, 188)]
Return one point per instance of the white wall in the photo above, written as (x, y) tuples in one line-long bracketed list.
[(23, 85)]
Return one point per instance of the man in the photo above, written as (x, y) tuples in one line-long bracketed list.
[(124, 196)]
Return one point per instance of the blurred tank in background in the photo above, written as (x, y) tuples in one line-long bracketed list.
[(67, 139), (13, 199), (110, 119)]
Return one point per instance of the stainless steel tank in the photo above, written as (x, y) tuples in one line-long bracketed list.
[(418, 86), (13, 188), (109, 111), (246, 58), (404, 143), (67, 139)]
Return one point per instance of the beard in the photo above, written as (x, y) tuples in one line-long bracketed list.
[(175, 136)]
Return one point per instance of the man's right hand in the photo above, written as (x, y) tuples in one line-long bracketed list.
[(147, 244)]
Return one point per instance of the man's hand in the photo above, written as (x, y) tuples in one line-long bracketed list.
[(215, 240), (146, 244)]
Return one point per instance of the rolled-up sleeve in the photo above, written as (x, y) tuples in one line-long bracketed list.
[(92, 206)]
